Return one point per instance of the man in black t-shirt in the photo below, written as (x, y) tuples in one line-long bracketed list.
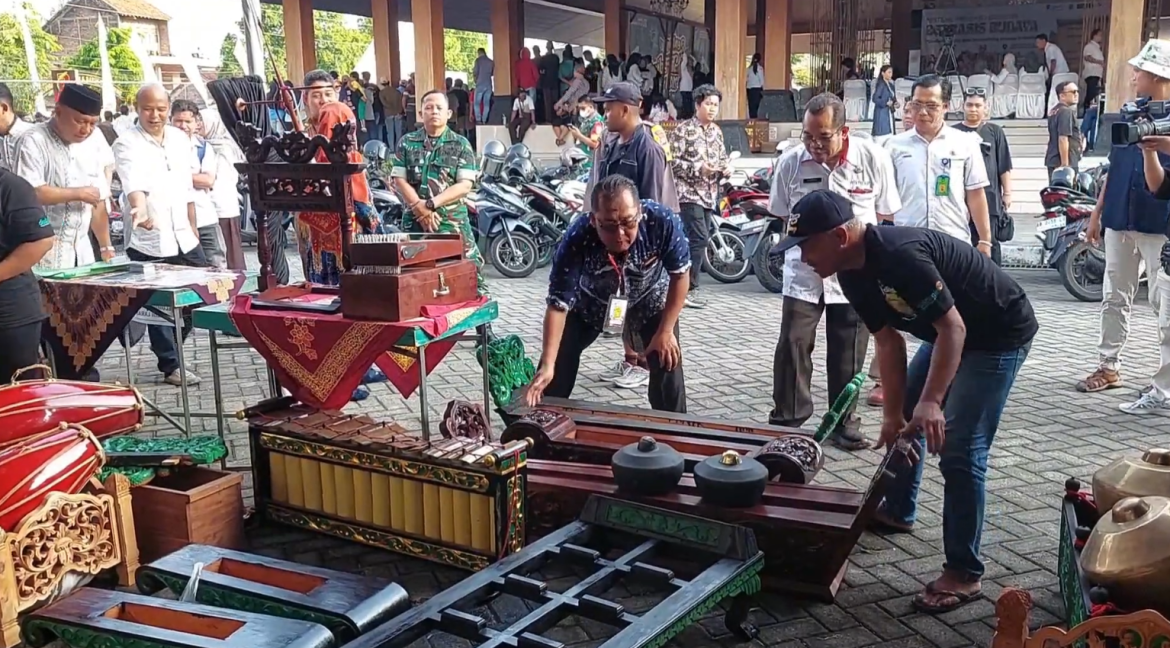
[(1064, 136), (998, 160), (25, 237), (976, 325)]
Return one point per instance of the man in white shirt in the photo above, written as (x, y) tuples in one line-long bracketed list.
[(124, 121), (859, 170), (154, 164), (204, 167), (65, 160), (11, 128), (1053, 56), (1093, 66), (523, 114)]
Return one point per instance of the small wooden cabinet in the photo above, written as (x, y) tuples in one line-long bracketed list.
[(191, 505)]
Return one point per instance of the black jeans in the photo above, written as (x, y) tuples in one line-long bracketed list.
[(667, 390), (1092, 89), (697, 224), (162, 339), (21, 348), (996, 250), (517, 128), (846, 343), (688, 105), (754, 95)]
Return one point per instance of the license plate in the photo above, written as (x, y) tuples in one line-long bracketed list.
[(1051, 224), (738, 219)]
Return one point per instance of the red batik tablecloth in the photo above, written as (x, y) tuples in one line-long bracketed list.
[(321, 358)]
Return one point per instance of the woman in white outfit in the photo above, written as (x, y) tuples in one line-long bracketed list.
[(755, 86)]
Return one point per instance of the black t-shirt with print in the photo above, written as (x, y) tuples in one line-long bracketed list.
[(22, 220), (913, 276)]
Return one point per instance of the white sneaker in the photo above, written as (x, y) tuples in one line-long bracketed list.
[(176, 378), (1148, 403), (616, 371), (633, 378)]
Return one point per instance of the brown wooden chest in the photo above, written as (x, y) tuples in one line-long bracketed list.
[(393, 297)]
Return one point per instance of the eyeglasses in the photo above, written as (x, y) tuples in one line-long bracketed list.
[(822, 141), (976, 92), (613, 227), (927, 107)]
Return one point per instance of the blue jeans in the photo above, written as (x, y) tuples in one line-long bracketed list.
[(483, 105), (394, 132), (1089, 128), (973, 407)]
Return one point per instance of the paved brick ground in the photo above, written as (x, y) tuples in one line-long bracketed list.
[(1048, 432)]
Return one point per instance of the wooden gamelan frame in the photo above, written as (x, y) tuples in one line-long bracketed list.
[(85, 533)]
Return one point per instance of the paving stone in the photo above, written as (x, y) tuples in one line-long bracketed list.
[(853, 638)]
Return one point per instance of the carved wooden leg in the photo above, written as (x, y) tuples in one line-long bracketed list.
[(9, 626), (736, 618), (118, 487)]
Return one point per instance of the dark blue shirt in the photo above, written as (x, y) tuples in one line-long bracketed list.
[(583, 278), (1128, 205)]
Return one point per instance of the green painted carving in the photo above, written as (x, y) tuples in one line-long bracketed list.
[(747, 583), (509, 367), (39, 632), (638, 519), (1070, 583), (204, 450)]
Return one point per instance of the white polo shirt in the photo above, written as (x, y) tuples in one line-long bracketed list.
[(1052, 52), (933, 179), (163, 173), (205, 212), (865, 177)]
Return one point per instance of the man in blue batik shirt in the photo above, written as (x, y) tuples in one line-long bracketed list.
[(629, 260)]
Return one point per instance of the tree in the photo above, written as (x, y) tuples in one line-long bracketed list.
[(338, 46), (124, 64), (14, 63), (459, 49), (229, 66)]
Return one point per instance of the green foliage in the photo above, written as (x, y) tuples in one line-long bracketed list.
[(124, 64), (14, 63), (338, 46), (459, 49), (228, 65), (272, 27)]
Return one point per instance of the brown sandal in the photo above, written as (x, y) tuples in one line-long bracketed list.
[(1100, 380)]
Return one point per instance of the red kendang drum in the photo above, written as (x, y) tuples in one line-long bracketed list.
[(29, 407), (61, 461)]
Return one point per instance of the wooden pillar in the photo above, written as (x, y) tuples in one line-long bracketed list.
[(506, 42), (384, 14), (731, 20), (900, 36), (615, 31), (299, 39), (776, 39), (1126, 19), (430, 68)]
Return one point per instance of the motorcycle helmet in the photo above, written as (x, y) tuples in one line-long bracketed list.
[(375, 151), (493, 159), (1086, 184), (520, 170), (518, 151), (1065, 177), (572, 156)]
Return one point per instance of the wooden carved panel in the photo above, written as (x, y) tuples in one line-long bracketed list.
[(1145, 629)]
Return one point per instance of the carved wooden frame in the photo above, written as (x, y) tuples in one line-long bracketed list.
[(1151, 629), (84, 533)]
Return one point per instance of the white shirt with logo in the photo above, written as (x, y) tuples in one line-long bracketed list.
[(865, 177), (934, 177)]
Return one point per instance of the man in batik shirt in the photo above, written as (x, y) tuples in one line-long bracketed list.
[(66, 162), (434, 169), (700, 162)]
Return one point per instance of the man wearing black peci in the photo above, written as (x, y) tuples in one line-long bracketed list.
[(976, 327)]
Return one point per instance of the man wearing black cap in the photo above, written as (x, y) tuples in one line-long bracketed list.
[(976, 325), (66, 162)]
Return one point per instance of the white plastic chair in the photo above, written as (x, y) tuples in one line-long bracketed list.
[(1058, 79), (1003, 96), (1030, 98), (903, 88), (855, 100), (958, 86)]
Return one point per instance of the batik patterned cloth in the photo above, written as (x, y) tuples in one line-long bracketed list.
[(694, 145), (321, 358)]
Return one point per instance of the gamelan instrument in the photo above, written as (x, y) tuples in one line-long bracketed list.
[(392, 276), (456, 501), (29, 407), (1128, 553), (689, 565), (348, 604), (806, 532), (647, 467), (61, 460), (1131, 476)]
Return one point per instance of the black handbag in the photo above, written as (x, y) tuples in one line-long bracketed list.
[(1005, 228)]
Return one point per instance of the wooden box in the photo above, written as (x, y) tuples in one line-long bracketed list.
[(394, 297), (192, 505)]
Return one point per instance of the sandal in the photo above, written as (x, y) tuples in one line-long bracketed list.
[(1100, 380), (949, 601)]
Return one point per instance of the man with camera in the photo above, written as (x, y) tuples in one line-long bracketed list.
[(1131, 222)]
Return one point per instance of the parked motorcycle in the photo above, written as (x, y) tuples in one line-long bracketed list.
[(728, 256), (500, 221), (1068, 203)]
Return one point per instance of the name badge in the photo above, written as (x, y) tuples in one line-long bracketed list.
[(942, 186), (615, 315), (811, 181)]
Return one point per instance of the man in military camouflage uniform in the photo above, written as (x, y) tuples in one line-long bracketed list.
[(433, 169)]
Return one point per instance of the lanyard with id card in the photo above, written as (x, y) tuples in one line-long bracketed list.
[(942, 182), (615, 313)]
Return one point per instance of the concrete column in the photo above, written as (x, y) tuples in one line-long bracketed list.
[(384, 14), (506, 43), (900, 37), (615, 31), (775, 42), (299, 39), (430, 69), (731, 21), (1126, 20)]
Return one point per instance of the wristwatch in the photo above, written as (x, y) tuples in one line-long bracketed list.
[(430, 204)]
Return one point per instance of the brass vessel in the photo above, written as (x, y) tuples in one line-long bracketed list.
[(1132, 477), (1129, 553)]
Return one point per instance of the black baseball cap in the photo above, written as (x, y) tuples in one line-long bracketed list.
[(818, 212), (622, 91)]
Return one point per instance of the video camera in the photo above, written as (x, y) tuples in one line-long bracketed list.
[(1142, 118)]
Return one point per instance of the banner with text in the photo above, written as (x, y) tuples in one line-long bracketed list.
[(982, 35)]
